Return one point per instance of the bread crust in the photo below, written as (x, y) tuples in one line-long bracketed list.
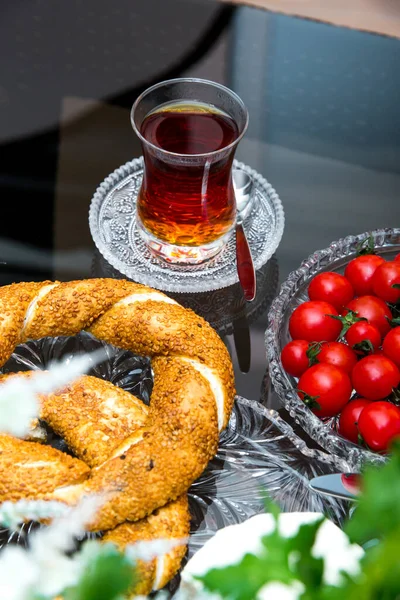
[(139, 459)]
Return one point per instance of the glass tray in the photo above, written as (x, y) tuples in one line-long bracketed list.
[(259, 454), (112, 221)]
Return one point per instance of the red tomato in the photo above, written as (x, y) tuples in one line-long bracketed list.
[(337, 354), (385, 277), (379, 424), (397, 257), (374, 310), (360, 271), (375, 376), (379, 352), (391, 346), (311, 321), (352, 482), (327, 389), (332, 288), (294, 357), (349, 418), (363, 337)]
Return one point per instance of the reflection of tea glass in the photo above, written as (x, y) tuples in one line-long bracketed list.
[(244, 188), (189, 130)]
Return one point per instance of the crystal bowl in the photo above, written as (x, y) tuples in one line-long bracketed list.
[(292, 293)]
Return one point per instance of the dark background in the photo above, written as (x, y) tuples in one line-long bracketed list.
[(324, 124)]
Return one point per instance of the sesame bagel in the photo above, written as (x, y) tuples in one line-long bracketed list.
[(169, 522), (93, 417), (191, 400)]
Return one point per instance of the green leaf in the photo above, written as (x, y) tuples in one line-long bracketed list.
[(108, 574), (283, 559), (312, 353), (366, 247), (350, 590), (271, 507), (365, 347), (380, 575), (376, 520), (395, 396), (347, 321), (307, 568), (378, 511), (242, 581), (395, 310), (310, 401)]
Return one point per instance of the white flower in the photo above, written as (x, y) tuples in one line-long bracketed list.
[(45, 568), (18, 395), (148, 550), (333, 545), (48, 547), (18, 574), (280, 591), (229, 545), (59, 537), (18, 406), (57, 572), (12, 514), (60, 373)]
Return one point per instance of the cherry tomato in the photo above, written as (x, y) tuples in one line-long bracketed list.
[(391, 346), (294, 357), (327, 389), (374, 310), (379, 352), (363, 337), (349, 418), (360, 271), (375, 376), (383, 280), (379, 424), (331, 287), (311, 321), (352, 482), (337, 354), (397, 257)]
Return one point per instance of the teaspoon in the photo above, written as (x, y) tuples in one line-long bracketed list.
[(243, 185)]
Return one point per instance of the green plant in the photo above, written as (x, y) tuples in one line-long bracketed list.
[(375, 524)]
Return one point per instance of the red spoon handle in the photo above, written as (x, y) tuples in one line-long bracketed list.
[(245, 266)]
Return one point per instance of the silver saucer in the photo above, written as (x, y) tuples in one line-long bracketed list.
[(112, 221)]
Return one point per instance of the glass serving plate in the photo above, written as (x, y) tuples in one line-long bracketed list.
[(259, 454), (113, 226), (293, 292)]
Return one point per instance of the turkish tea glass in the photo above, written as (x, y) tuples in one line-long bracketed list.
[(189, 131)]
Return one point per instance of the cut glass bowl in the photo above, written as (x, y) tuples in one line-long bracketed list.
[(292, 293)]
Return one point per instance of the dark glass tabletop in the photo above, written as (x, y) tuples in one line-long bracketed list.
[(324, 131)]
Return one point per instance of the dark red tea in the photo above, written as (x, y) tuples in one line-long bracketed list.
[(187, 199)]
